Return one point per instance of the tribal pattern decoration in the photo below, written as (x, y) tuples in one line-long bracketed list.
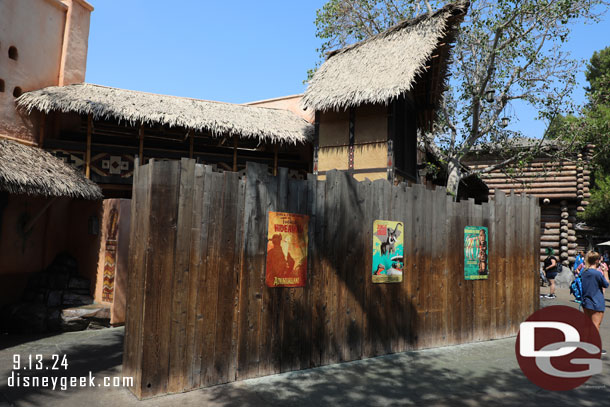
[(107, 165), (74, 158), (110, 256)]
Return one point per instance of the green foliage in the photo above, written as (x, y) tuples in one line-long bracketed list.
[(598, 211), (592, 126), (598, 75)]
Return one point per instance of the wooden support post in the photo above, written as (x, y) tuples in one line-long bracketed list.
[(275, 150), (191, 143), (88, 154), (234, 153), (141, 150), (41, 130)]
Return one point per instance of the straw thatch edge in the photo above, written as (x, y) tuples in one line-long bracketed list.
[(137, 108), (26, 170)]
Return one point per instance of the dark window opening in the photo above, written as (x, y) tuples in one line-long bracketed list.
[(12, 53), (404, 134), (17, 91), (1, 85)]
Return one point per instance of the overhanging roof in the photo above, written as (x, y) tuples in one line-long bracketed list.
[(32, 171)]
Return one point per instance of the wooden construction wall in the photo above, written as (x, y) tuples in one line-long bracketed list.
[(199, 312)]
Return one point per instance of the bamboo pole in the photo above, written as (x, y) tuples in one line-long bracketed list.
[(88, 154), (234, 153), (275, 150), (141, 149), (41, 129)]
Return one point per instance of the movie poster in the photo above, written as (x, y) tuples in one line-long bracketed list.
[(287, 250), (476, 253), (388, 249)]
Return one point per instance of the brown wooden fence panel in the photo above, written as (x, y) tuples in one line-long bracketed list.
[(199, 312)]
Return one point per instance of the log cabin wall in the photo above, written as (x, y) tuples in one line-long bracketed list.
[(562, 188)]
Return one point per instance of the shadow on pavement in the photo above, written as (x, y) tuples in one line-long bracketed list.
[(85, 353)]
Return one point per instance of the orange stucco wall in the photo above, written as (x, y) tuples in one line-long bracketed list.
[(51, 41), (291, 103), (63, 227)]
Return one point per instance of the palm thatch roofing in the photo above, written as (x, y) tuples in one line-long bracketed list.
[(32, 171), (381, 67), (133, 107)]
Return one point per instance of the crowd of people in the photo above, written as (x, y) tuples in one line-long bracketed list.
[(592, 269)]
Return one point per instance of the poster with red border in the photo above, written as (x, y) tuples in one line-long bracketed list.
[(287, 240)]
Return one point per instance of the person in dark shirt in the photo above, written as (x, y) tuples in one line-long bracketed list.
[(550, 269), (593, 283)]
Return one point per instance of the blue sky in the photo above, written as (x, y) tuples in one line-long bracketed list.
[(235, 51)]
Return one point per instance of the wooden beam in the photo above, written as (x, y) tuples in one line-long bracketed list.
[(141, 150), (191, 143), (41, 126), (275, 150), (234, 153), (88, 152)]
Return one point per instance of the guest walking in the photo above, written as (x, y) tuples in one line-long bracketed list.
[(550, 269), (593, 283)]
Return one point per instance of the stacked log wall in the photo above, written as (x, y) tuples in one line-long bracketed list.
[(563, 189)]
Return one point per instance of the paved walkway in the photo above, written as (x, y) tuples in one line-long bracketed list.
[(480, 374)]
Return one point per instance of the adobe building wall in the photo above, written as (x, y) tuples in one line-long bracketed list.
[(62, 227), (291, 103), (42, 43)]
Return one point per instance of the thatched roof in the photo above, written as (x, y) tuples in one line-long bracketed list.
[(217, 118), (382, 67), (33, 171)]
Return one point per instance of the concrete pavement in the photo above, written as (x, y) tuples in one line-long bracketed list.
[(467, 375)]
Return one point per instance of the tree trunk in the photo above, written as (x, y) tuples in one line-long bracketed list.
[(454, 177)]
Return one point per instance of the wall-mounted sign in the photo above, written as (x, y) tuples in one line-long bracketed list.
[(476, 253), (287, 250), (388, 249)]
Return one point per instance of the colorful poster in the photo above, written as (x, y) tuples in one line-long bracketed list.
[(388, 249), (287, 250), (476, 253)]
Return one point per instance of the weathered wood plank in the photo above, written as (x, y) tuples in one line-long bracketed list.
[(501, 269), (228, 279), (177, 364), (365, 190), (252, 282), (138, 251), (271, 313), (202, 240), (195, 252), (317, 275), (159, 275), (211, 280), (418, 322)]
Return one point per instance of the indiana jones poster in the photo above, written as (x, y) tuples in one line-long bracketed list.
[(287, 241)]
